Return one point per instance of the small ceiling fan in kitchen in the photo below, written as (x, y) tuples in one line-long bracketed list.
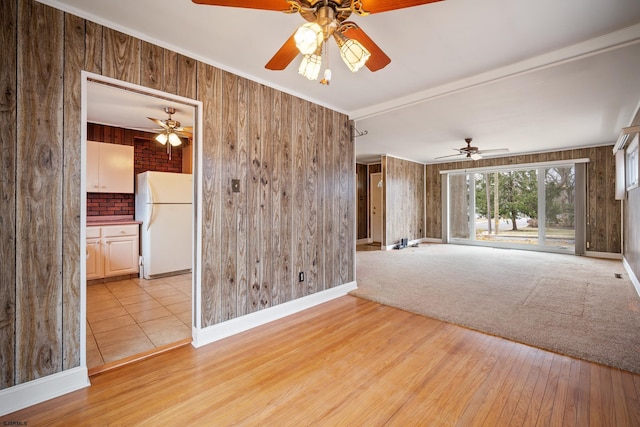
[(325, 19), (171, 131), (473, 153)]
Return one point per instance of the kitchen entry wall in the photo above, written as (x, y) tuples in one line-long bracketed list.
[(148, 155), (294, 159)]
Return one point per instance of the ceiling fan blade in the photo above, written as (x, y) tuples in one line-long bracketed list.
[(283, 56), (378, 6), (158, 122), (185, 134), (378, 58), (277, 5)]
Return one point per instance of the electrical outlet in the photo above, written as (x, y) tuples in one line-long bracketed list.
[(301, 276), (235, 185)]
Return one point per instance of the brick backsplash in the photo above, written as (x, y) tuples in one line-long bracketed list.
[(107, 204), (148, 155)]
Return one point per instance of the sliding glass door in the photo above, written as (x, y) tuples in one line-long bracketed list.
[(533, 208)]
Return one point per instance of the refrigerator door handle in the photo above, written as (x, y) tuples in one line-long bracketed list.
[(150, 204)]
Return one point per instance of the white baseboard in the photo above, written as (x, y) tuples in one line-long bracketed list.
[(631, 274), (30, 393), (235, 326), (606, 255), (363, 241)]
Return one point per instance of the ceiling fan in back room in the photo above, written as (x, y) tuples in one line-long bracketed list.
[(473, 153), (171, 131), (325, 19)]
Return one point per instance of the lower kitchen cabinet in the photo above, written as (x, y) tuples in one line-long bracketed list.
[(112, 250)]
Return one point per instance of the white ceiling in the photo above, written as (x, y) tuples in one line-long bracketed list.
[(518, 74)]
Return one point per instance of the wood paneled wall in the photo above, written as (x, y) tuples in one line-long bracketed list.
[(603, 211), (404, 192), (294, 159), (362, 178)]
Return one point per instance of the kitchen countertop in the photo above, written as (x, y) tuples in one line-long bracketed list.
[(111, 220)]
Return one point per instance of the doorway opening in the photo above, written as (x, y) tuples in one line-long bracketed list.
[(376, 213), (125, 317)]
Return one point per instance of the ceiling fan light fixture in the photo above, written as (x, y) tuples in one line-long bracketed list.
[(353, 53), (174, 139), (309, 38), (162, 138), (310, 66)]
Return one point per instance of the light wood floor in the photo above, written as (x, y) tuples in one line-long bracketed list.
[(352, 362)]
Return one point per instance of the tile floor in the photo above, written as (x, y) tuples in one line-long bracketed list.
[(132, 316)]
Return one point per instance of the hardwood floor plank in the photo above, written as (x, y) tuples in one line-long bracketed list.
[(632, 397), (571, 409), (510, 405), (550, 392), (477, 409), (620, 409), (350, 362)]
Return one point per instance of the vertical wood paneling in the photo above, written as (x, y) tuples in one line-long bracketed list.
[(286, 215), (310, 198), (209, 92), (170, 72), (228, 247), (8, 138), (404, 209), (151, 65), (348, 198), (188, 77), (93, 48), (294, 211), (276, 198), (362, 197), (325, 134), (242, 259), (73, 61), (121, 56), (39, 196), (266, 205), (254, 245), (332, 208), (299, 217)]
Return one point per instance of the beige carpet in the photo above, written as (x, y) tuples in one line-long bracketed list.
[(568, 304)]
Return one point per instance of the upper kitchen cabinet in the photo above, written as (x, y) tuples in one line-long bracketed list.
[(109, 168)]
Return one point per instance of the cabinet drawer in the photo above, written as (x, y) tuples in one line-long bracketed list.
[(120, 230), (93, 232)]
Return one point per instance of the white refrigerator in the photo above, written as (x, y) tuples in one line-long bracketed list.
[(164, 206)]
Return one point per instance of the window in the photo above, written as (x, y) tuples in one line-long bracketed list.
[(631, 164), (538, 206)]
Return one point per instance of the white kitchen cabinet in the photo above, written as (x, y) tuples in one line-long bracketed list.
[(95, 261), (112, 250), (109, 168)]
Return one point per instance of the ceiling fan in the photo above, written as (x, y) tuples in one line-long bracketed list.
[(473, 152), (171, 131), (325, 19)]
